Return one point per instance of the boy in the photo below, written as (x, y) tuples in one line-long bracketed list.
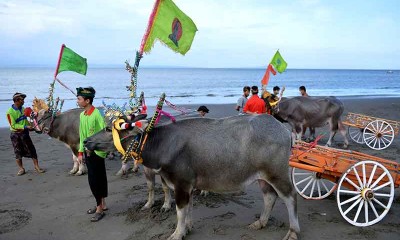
[(92, 122)]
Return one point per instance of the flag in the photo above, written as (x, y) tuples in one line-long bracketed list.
[(171, 26), (278, 62), (265, 79), (70, 61)]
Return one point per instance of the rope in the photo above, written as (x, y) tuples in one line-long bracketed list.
[(62, 84), (176, 108), (312, 144), (165, 114)]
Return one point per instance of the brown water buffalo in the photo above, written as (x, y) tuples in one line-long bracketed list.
[(65, 128), (302, 112), (218, 155)]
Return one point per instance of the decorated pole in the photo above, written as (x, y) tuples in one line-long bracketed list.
[(168, 24), (59, 60), (149, 26)]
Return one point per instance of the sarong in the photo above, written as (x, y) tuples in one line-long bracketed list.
[(23, 146)]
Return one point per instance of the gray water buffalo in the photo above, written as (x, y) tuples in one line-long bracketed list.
[(218, 155), (65, 128), (303, 112)]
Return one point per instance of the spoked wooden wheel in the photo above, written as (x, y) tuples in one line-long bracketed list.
[(356, 134), (378, 134), (371, 195), (310, 185)]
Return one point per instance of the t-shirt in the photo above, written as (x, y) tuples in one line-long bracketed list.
[(90, 122), (241, 102), (16, 118), (255, 104)]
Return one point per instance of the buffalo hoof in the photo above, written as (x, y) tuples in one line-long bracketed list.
[(73, 171), (189, 227), (166, 208), (135, 168), (257, 225), (176, 236), (121, 172), (291, 235), (328, 145), (147, 206), (204, 193)]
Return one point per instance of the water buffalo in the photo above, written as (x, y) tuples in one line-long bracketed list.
[(302, 112), (218, 155), (65, 128)]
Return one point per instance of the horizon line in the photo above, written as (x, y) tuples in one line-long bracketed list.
[(96, 66)]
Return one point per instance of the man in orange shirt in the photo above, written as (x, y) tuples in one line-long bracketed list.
[(255, 105)]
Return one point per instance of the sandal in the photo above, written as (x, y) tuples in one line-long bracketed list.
[(93, 210), (21, 172), (39, 170), (97, 216)]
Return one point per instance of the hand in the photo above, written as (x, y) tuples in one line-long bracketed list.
[(80, 159), (88, 153), (30, 128)]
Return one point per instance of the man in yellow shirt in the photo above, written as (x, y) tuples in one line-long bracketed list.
[(19, 126)]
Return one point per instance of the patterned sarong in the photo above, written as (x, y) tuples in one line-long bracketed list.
[(23, 146)]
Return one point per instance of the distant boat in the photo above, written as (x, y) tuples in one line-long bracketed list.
[(389, 71)]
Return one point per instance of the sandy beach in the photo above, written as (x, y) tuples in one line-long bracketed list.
[(53, 205)]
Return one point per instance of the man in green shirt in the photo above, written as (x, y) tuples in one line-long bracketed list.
[(92, 122), (19, 126)]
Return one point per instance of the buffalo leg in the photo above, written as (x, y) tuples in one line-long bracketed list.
[(189, 216), (269, 195), (123, 170), (182, 199), (76, 164), (286, 192), (151, 181), (342, 131), (312, 133), (299, 130), (167, 196), (81, 170)]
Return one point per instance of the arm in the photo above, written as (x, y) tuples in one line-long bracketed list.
[(246, 107), (81, 139), (16, 123), (239, 104)]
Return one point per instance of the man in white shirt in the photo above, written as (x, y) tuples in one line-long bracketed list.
[(243, 99)]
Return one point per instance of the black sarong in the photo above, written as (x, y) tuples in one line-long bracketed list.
[(23, 146), (97, 176)]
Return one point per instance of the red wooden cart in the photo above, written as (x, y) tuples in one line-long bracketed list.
[(365, 184), (377, 133)]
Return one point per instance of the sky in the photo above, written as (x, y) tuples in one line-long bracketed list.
[(310, 34)]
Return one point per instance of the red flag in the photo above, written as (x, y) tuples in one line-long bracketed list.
[(265, 79)]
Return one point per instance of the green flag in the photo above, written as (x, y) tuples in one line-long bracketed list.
[(70, 61), (171, 26), (278, 62)]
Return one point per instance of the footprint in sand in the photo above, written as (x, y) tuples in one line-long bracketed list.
[(12, 220)]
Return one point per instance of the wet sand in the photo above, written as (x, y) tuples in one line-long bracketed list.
[(53, 205)]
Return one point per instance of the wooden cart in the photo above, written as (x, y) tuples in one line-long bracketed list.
[(365, 184), (377, 133)]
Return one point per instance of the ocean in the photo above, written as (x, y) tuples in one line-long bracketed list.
[(191, 85)]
